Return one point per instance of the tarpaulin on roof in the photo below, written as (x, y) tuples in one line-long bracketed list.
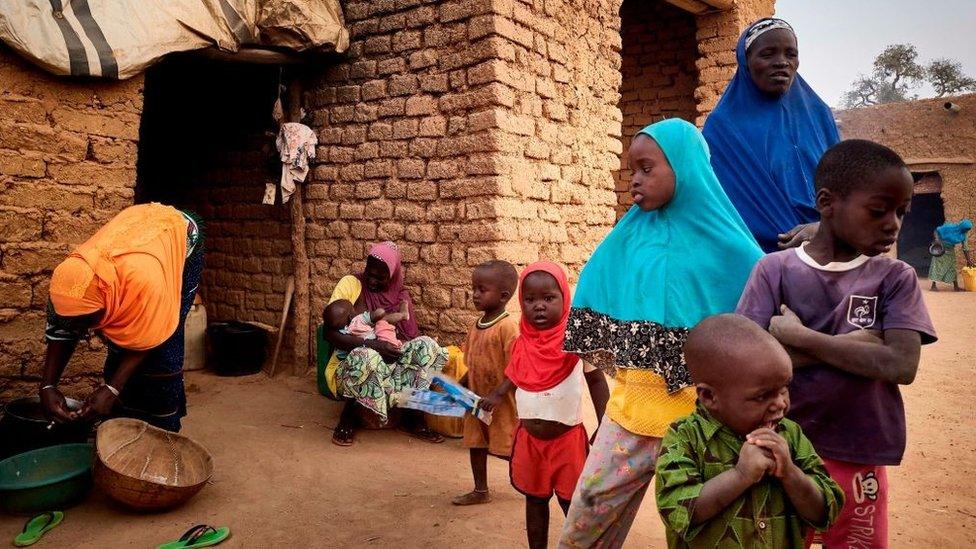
[(118, 39)]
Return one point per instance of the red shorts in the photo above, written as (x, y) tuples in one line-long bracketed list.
[(540, 467), (863, 521)]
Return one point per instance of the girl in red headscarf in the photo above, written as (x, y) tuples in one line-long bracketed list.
[(550, 441)]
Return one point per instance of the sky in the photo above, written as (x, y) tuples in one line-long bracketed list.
[(839, 39)]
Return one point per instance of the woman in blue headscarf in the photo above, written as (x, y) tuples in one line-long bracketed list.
[(637, 298), (943, 250), (767, 135)]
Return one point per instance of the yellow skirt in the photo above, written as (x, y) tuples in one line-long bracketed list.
[(640, 403)]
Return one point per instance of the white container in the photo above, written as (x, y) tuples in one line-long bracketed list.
[(194, 337)]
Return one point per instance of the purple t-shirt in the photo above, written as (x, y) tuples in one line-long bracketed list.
[(846, 416)]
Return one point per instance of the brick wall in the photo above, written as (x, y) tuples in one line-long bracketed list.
[(717, 35), (659, 74), (924, 130), (465, 131), (67, 165), (210, 148)]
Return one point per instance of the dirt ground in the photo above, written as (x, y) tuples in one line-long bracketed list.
[(280, 482)]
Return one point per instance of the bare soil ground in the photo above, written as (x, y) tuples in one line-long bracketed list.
[(280, 482)]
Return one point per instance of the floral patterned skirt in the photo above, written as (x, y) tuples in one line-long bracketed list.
[(365, 377)]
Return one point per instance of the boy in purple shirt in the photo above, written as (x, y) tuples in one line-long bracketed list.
[(853, 321)]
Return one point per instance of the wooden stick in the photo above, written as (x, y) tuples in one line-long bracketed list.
[(289, 292)]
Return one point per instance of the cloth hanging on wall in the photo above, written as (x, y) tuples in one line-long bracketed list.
[(296, 146)]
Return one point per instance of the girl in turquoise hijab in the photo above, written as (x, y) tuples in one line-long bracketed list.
[(680, 254)]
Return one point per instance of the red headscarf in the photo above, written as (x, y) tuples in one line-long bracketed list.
[(538, 361), (393, 297)]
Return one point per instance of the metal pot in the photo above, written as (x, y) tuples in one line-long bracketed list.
[(25, 427)]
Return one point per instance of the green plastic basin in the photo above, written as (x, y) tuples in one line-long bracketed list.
[(47, 479)]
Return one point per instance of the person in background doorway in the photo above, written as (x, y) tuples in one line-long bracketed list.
[(132, 283), (943, 251), (767, 134)]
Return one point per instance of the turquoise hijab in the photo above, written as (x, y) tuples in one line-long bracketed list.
[(658, 273)]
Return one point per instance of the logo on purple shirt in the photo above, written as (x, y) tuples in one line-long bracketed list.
[(861, 311)]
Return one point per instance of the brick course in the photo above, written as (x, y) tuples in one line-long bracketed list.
[(67, 165)]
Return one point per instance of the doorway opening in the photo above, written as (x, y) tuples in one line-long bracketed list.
[(206, 143), (927, 213), (659, 76)]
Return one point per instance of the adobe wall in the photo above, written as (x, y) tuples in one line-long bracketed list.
[(67, 165), (717, 35), (464, 131), (659, 74), (925, 130)]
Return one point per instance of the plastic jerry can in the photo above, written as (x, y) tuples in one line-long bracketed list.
[(194, 337)]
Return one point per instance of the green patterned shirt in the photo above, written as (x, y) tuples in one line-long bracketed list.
[(698, 448)]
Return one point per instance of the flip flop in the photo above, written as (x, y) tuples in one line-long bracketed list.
[(201, 535), (343, 436), (37, 526)]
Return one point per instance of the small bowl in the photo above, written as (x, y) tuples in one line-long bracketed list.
[(49, 478)]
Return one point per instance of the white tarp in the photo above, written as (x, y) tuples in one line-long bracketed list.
[(118, 39)]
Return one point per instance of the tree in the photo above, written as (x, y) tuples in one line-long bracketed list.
[(896, 73), (947, 78)]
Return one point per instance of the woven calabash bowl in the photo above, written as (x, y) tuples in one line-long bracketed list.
[(148, 468)]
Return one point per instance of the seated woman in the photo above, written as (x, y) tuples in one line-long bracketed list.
[(766, 136), (370, 371)]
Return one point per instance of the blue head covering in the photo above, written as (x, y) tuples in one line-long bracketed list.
[(765, 149), (952, 234), (660, 272)]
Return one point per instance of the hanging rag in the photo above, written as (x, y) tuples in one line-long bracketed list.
[(296, 145)]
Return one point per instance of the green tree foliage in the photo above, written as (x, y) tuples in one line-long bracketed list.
[(947, 78), (896, 74)]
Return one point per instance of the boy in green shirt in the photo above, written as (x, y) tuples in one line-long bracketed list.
[(736, 473)]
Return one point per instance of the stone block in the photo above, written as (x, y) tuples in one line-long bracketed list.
[(424, 191), (433, 126), (404, 84), (392, 65), (31, 258), (122, 125), (406, 40), (434, 82), (373, 90), (419, 105), (406, 128), (410, 168), (22, 164)]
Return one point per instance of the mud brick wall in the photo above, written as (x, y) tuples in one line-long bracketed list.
[(464, 131), (659, 74), (67, 165), (717, 35), (218, 169), (925, 130)]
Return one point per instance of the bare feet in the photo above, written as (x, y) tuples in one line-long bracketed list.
[(474, 497)]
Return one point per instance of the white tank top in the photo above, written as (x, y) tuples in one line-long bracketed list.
[(562, 403)]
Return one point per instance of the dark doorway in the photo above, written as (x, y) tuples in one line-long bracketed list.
[(926, 214), (207, 145)]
